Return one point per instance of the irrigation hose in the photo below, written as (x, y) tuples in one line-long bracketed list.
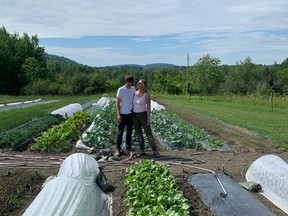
[(196, 167), (129, 158), (201, 168)]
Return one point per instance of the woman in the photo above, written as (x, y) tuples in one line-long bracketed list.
[(141, 117)]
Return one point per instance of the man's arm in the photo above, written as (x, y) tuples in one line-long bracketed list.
[(118, 101)]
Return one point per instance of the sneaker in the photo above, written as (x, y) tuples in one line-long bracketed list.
[(156, 155), (117, 152)]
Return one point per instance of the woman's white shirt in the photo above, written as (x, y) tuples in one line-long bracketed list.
[(139, 103)]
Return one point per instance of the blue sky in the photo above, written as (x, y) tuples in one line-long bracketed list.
[(115, 32)]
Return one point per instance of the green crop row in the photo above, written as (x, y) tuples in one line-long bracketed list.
[(19, 138), (60, 137), (177, 133), (102, 133), (152, 190)]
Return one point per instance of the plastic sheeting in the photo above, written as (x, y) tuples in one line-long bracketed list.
[(73, 192), (156, 106), (271, 172), (89, 103), (17, 105), (237, 202), (68, 110), (100, 104)]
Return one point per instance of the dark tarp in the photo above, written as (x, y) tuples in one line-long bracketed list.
[(238, 201)]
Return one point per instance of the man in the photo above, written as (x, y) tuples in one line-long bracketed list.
[(124, 102)]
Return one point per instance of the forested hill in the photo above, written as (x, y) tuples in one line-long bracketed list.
[(158, 65), (60, 58), (25, 68), (145, 67), (148, 66)]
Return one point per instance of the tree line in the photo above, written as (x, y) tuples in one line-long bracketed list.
[(26, 69)]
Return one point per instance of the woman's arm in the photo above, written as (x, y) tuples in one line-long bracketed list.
[(148, 104)]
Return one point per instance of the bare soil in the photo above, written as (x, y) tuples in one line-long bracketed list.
[(21, 182)]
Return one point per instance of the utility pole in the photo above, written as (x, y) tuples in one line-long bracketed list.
[(187, 74)]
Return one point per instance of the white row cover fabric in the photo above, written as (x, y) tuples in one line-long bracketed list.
[(73, 192), (24, 102), (68, 110), (271, 172), (79, 143), (13, 104), (156, 106), (103, 102)]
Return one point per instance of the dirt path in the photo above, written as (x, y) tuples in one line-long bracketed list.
[(234, 164)]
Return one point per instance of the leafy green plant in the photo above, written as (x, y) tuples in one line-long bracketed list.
[(173, 135), (19, 138), (101, 134), (177, 133), (152, 190), (59, 137)]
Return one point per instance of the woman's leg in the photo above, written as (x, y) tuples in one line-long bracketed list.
[(138, 131), (148, 132)]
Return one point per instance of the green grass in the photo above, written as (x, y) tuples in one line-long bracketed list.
[(13, 118), (251, 112), (10, 99)]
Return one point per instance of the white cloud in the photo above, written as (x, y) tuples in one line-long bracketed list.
[(143, 39), (70, 18), (200, 26)]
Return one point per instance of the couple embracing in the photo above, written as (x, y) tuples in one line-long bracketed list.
[(133, 108)]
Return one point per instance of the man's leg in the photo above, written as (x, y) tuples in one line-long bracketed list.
[(129, 128), (121, 127)]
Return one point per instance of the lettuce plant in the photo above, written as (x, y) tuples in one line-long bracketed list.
[(152, 190)]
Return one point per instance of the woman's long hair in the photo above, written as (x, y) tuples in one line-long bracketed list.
[(144, 85)]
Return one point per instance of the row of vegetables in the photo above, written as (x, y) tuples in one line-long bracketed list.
[(21, 137), (171, 131), (175, 133), (101, 133), (60, 137), (151, 188)]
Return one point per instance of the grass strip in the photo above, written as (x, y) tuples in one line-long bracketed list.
[(251, 115)]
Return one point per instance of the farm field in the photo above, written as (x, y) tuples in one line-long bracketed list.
[(16, 117), (252, 113), (248, 141)]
